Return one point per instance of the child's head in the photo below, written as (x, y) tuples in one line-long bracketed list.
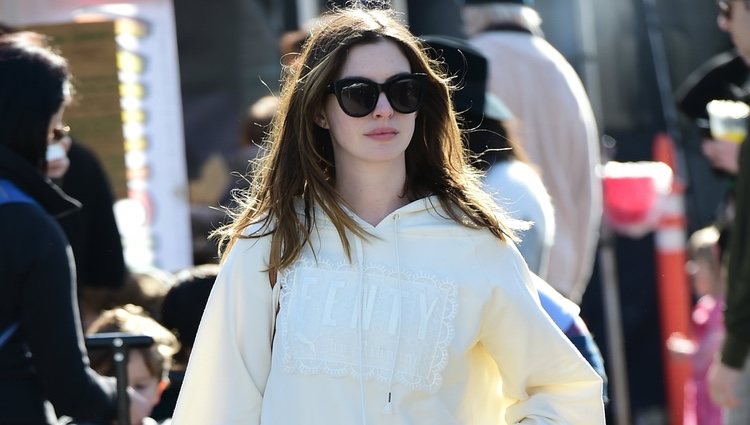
[(704, 265), (147, 367), (184, 304)]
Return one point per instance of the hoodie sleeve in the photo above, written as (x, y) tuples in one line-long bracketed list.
[(545, 379), (231, 359)]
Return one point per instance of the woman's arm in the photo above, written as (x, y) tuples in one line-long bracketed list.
[(543, 374), (231, 359)]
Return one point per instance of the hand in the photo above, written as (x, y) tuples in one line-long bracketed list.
[(722, 154), (722, 384), (140, 407)]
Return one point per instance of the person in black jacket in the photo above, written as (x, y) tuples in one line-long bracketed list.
[(44, 368), (92, 231)]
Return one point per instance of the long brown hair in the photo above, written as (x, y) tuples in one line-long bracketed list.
[(299, 159)]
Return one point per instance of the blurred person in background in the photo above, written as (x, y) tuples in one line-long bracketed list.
[(181, 313), (704, 268), (490, 135), (44, 369), (147, 367), (557, 128), (729, 376), (92, 231), (206, 218)]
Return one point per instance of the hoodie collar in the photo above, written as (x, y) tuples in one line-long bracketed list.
[(415, 207), (16, 169)]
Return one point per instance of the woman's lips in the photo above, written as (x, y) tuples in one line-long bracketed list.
[(382, 134)]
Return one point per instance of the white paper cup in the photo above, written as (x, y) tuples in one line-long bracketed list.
[(728, 120)]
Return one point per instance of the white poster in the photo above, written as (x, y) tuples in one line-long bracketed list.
[(154, 219)]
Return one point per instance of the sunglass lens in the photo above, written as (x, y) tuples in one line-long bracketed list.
[(358, 98), (59, 133), (405, 94)]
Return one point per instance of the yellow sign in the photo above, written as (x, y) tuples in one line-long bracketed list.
[(95, 116)]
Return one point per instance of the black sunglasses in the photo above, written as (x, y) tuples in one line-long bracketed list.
[(59, 133), (358, 96)]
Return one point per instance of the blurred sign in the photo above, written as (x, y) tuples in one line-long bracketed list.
[(95, 115), (129, 110)]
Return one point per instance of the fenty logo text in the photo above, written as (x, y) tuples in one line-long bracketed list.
[(397, 324)]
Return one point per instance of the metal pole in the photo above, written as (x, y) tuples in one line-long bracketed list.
[(120, 343), (661, 71), (618, 369), (618, 384), (120, 357)]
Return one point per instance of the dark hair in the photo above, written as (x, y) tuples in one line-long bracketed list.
[(33, 85), (491, 142), (183, 305), (133, 320)]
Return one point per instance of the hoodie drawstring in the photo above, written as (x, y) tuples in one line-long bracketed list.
[(388, 408), (361, 264)]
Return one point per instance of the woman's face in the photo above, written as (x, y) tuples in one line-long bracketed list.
[(58, 143), (382, 136)]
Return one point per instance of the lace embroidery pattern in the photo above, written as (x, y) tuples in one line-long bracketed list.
[(322, 305)]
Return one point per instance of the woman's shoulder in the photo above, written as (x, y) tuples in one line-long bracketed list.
[(262, 227), (250, 244)]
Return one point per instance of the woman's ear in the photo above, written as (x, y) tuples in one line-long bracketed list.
[(322, 121)]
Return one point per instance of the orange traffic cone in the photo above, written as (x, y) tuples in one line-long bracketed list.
[(673, 290)]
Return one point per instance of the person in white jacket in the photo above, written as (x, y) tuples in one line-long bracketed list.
[(557, 128), (368, 279)]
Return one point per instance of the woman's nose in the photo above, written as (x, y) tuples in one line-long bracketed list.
[(383, 108)]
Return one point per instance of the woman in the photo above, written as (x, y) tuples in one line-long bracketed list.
[(43, 370), (401, 298)]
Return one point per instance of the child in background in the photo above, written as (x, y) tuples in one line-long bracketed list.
[(147, 367), (704, 267), (181, 313)]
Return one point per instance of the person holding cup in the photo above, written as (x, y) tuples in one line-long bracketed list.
[(729, 376)]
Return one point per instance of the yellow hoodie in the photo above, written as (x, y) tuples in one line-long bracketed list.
[(430, 323)]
